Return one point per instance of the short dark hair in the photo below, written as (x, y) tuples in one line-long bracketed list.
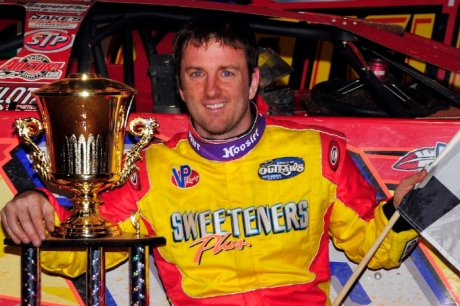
[(227, 29)]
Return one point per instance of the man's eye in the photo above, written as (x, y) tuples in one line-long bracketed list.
[(227, 73), (196, 74)]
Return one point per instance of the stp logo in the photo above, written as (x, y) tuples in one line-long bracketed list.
[(185, 177), (47, 41)]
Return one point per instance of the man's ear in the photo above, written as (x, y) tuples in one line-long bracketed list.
[(254, 83), (179, 87)]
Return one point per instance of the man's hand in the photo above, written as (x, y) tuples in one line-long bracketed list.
[(406, 185), (23, 218)]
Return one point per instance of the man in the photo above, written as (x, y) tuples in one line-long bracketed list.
[(246, 203)]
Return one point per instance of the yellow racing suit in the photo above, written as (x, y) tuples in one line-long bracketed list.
[(248, 220)]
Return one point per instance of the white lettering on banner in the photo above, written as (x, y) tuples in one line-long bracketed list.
[(43, 39), (56, 8), (233, 150), (56, 18), (193, 141), (19, 95)]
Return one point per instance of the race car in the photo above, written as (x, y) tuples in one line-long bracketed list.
[(369, 76), (396, 116)]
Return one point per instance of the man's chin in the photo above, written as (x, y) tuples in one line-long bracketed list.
[(217, 133)]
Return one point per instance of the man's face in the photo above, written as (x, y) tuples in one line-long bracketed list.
[(215, 87)]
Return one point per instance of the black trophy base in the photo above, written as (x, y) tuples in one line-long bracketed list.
[(95, 271)]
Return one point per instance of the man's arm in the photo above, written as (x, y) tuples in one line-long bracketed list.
[(26, 219), (356, 218)]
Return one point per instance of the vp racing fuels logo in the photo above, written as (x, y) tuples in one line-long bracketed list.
[(185, 177), (281, 168), (31, 67)]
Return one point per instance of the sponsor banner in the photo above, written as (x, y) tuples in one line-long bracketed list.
[(56, 8), (17, 98), (45, 21), (32, 67), (49, 35)]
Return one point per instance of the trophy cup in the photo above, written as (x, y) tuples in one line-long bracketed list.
[(84, 119)]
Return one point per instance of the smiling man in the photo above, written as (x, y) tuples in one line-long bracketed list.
[(247, 204), (217, 95)]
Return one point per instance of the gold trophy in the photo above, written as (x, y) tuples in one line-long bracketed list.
[(84, 120)]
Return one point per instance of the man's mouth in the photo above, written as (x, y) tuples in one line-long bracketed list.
[(215, 106)]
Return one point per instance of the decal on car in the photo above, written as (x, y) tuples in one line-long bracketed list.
[(47, 41), (31, 67), (45, 21)]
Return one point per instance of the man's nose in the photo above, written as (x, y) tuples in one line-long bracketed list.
[(212, 86)]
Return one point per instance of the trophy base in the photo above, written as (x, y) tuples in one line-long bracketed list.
[(95, 285), (87, 231)]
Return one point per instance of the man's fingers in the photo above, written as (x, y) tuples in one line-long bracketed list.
[(36, 219), (14, 225), (406, 185), (8, 230), (23, 218), (48, 217), (32, 225), (410, 181)]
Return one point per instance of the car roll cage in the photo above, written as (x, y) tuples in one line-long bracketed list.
[(106, 19)]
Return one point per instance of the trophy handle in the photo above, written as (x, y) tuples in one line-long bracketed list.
[(32, 127), (140, 127)]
